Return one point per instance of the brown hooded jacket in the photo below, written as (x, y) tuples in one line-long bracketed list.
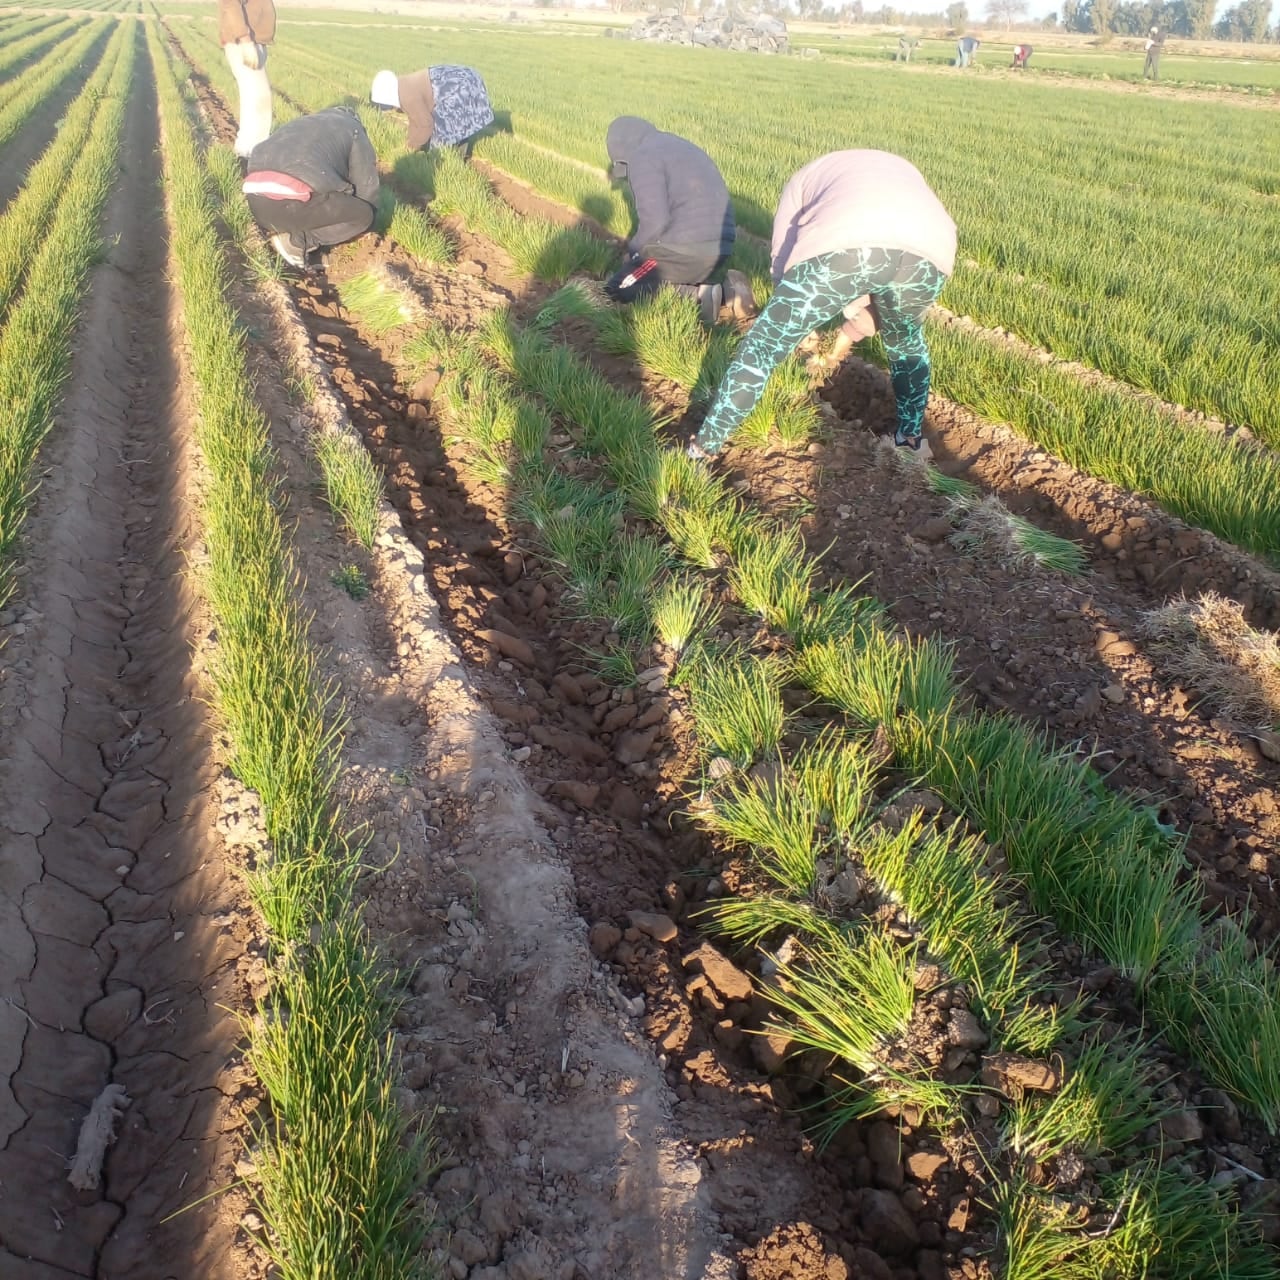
[(246, 20), (418, 102)]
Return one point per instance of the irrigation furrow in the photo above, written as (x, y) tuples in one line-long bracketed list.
[(125, 944)]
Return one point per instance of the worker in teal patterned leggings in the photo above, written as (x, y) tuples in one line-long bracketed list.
[(857, 233)]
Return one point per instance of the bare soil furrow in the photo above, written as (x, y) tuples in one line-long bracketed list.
[(125, 938), (617, 817), (561, 1155)]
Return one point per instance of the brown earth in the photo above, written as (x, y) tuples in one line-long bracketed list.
[(603, 776), (615, 764), (1064, 652), (126, 943), (610, 766)]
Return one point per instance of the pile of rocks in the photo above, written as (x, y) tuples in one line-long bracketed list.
[(720, 29)]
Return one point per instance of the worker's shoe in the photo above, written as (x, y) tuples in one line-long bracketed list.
[(710, 300), (695, 450), (738, 296), (283, 243), (919, 446)]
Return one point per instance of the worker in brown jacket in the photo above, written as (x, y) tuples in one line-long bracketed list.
[(245, 28), (447, 105)]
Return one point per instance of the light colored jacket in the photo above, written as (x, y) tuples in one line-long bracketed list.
[(861, 200)]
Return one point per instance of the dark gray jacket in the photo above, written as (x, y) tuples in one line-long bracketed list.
[(679, 194), (329, 151)]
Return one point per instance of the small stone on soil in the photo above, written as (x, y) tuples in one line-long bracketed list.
[(603, 938), (964, 1030), (728, 980), (658, 927), (887, 1223)]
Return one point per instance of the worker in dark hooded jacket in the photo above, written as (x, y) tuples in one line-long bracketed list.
[(314, 183), (446, 105), (684, 220)]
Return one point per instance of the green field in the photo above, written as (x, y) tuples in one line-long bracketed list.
[(1120, 59), (966, 923), (1088, 224)]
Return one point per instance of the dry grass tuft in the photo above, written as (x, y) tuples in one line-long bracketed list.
[(1207, 643)]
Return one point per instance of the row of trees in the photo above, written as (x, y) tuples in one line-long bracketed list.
[(1189, 19)]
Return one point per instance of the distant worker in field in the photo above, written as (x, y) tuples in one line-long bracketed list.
[(447, 105), (1154, 46), (1021, 56), (967, 51), (858, 233), (684, 220), (314, 183), (245, 28), (906, 47)]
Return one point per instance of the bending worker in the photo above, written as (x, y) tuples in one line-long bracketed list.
[(684, 220), (1021, 56), (967, 51), (447, 106), (314, 183), (245, 28), (857, 233)]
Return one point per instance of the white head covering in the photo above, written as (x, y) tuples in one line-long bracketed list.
[(386, 89)]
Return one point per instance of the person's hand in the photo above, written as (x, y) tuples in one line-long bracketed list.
[(254, 55), (859, 319)]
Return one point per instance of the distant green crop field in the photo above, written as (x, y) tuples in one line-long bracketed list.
[(1122, 59), (1133, 233)]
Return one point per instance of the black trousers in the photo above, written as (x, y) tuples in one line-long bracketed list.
[(684, 266), (328, 218)]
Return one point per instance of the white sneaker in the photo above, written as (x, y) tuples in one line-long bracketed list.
[(695, 450), (284, 246)]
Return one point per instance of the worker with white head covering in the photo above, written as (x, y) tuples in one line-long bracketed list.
[(447, 106)]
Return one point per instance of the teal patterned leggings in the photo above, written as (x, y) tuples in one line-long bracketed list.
[(814, 291)]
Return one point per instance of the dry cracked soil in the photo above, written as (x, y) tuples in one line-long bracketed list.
[(126, 943)]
